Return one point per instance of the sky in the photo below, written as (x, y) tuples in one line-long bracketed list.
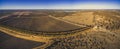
[(59, 4)]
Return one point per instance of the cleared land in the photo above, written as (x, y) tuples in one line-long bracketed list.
[(65, 29), (10, 42), (37, 23)]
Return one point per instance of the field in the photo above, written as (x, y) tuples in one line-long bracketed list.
[(60, 29), (10, 42)]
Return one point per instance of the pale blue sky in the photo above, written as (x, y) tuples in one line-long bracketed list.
[(59, 4)]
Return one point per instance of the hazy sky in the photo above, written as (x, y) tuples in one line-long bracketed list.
[(59, 4)]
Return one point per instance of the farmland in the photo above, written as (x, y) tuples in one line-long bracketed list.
[(62, 29)]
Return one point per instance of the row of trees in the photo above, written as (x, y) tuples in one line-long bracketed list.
[(45, 33)]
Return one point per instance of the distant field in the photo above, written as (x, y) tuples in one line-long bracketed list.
[(6, 12), (37, 23)]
